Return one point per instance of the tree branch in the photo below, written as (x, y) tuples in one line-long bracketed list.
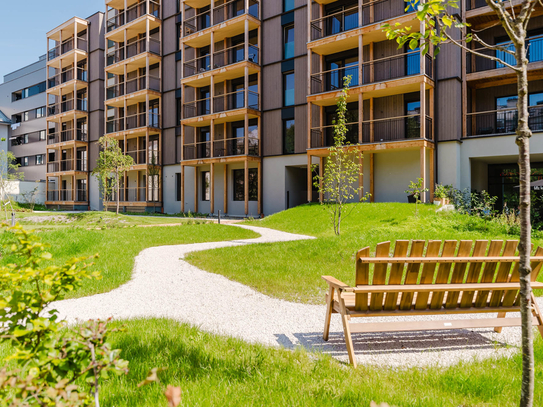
[(505, 18), (492, 47)]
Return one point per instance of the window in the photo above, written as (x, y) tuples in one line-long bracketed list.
[(28, 92), (178, 187), (288, 89), (25, 139), (288, 136), (505, 56), (288, 41), (42, 135), (411, 6), (412, 122), (40, 112), (239, 187), (288, 5), (24, 161), (26, 116), (39, 159), (206, 186)]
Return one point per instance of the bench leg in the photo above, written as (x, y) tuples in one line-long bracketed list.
[(329, 310), (538, 315), (498, 329), (347, 332)]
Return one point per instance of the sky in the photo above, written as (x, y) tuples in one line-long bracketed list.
[(24, 23)]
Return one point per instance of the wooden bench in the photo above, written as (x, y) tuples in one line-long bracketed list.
[(432, 278)]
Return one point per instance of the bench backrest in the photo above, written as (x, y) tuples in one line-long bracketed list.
[(459, 262)]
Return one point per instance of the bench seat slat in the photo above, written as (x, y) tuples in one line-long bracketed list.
[(436, 325), (494, 259), (403, 288)]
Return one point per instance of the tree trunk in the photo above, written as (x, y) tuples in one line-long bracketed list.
[(118, 193), (523, 136)]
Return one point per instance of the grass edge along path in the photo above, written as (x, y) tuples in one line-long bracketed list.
[(292, 270), (118, 247)]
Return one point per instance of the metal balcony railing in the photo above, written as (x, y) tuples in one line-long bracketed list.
[(67, 76), (67, 46), (136, 194), (145, 82), (220, 148), (222, 103), (67, 106), (66, 135), (133, 122), (473, 4), (221, 13), (324, 136), (131, 50), (132, 13), (503, 121), (221, 58), (66, 195), (67, 165)]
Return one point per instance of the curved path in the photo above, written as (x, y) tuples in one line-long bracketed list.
[(164, 285)]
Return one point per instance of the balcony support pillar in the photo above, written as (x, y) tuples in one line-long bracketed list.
[(246, 186), (361, 176), (423, 171), (225, 187), (182, 176), (309, 122), (432, 174), (212, 145), (372, 186), (360, 51), (372, 124), (360, 116), (195, 189), (321, 171), (309, 184), (259, 187), (212, 188)]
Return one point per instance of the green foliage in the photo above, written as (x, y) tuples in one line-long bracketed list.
[(442, 191), (9, 172), (49, 358), (416, 189), (342, 167)]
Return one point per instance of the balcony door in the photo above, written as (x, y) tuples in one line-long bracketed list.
[(412, 120), (340, 67), (204, 143), (341, 18)]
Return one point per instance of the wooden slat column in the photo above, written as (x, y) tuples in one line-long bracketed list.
[(212, 188), (225, 191), (195, 189), (246, 185)]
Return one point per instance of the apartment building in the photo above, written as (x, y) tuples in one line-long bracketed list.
[(229, 106), (23, 104)]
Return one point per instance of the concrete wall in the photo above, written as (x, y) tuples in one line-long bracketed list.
[(17, 188)]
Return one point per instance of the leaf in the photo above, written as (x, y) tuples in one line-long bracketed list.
[(173, 395), (152, 376), (413, 44)]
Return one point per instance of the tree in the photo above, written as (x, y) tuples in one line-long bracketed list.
[(111, 164), (154, 171), (9, 172), (342, 168), (416, 189), (439, 25)]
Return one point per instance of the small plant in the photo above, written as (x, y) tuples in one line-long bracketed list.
[(30, 197), (416, 190), (442, 193)]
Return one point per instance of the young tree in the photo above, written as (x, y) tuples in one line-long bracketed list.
[(153, 172), (9, 172), (416, 189), (110, 166), (342, 168), (439, 25)]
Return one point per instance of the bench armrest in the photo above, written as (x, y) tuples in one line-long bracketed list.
[(335, 283)]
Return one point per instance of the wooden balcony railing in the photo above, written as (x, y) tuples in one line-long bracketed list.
[(221, 58), (67, 195), (221, 148), (66, 135), (66, 76), (144, 82), (133, 122), (131, 50), (502, 121), (132, 13)]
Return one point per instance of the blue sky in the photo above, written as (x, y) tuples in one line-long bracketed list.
[(24, 23)]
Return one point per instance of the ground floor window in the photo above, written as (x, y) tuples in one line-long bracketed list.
[(178, 187), (503, 180), (206, 186), (239, 184)]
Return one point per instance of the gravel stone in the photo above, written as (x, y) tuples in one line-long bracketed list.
[(164, 285)]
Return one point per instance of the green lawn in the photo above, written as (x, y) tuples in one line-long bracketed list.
[(218, 371), (118, 247), (292, 270)]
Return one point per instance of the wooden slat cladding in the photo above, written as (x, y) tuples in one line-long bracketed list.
[(300, 81), (272, 141), (272, 87), (272, 44), (300, 141), (449, 110), (169, 147)]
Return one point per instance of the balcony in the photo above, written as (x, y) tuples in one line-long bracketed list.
[(67, 165), (66, 136), (136, 194), (386, 130), (133, 122), (131, 50), (501, 122), (66, 106), (80, 74), (221, 148), (67, 195), (222, 58), (221, 14), (144, 82), (222, 103), (132, 13), (79, 43)]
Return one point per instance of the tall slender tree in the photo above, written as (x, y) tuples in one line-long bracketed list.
[(440, 27)]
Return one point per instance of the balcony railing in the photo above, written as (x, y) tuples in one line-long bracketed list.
[(144, 157), (477, 63), (133, 85), (67, 106), (65, 195), (221, 58), (221, 14), (502, 121), (67, 165), (133, 122), (131, 50), (397, 66), (345, 20), (67, 76), (67, 46), (220, 148), (66, 135), (383, 130), (222, 103), (136, 194), (132, 13)]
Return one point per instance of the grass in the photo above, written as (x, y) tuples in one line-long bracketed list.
[(292, 270), (213, 370), (118, 247)]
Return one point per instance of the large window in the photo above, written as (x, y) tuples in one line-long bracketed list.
[(206, 186), (288, 5), (288, 136), (39, 159), (288, 89), (239, 184), (28, 92), (178, 187), (412, 121), (288, 41)]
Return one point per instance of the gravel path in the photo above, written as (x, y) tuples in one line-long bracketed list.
[(164, 285)]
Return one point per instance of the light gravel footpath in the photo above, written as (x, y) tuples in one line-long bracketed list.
[(164, 285)]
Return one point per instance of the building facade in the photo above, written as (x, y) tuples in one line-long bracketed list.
[(229, 106)]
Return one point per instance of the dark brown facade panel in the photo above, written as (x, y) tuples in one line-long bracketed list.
[(169, 8), (169, 147), (449, 110), (169, 73), (96, 32), (96, 96), (96, 125), (300, 129), (300, 32), (169, 109), (94, 154), (272, 87), (96, 65), (170, 38), (272, 133), (449, 59), (272, 43), (271, 8), (300, 80)]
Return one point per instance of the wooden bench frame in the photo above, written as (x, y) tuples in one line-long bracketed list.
[(436, 278)]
